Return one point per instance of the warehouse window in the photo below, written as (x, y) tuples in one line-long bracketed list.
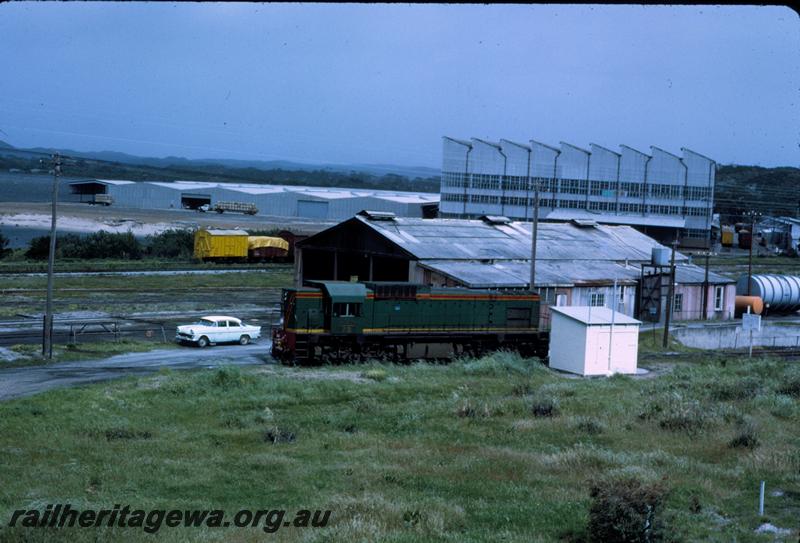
[(677, 305), (597, 299), (346, 310), (719, 298)]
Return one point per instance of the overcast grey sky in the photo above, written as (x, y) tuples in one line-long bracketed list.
[(367, 83)]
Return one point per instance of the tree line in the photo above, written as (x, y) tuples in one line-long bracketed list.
[(173, 243), (215, 172)]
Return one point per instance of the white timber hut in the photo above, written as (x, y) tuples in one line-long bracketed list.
[(593, 341)]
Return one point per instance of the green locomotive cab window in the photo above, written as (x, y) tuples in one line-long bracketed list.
[(347, 310)]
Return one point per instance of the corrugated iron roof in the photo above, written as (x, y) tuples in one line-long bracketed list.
[(215, 232), (549, 273), (689, 274), (460, 239)]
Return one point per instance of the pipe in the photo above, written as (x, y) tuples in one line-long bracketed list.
[(644, 186), (503, 181), (466, 179), (616, 203), (528, 185)]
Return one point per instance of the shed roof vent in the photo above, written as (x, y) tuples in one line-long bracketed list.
[(377, 215), (495, 219), (584, 223)]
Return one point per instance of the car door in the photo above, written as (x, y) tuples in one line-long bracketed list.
[(234, 331), (219, 331)]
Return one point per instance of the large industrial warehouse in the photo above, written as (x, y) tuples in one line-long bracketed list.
[(273, 200), (660, 194)]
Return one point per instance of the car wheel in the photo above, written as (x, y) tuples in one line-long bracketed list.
[(244, 340), (202, 342)]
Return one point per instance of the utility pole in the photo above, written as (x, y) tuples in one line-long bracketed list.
[(534, 231), (707, 254), (753, 215), (670, 295), (47, 329)]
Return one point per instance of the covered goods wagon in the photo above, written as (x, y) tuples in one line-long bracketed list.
[(220, 244)]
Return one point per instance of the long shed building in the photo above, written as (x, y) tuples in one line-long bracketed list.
[(578, 263), (321, 203)]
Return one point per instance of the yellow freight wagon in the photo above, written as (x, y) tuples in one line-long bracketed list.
[(727, 236), (221, 244)]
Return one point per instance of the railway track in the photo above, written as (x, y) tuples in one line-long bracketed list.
[(156, 326)]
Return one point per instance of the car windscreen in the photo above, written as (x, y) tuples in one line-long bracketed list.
[(205, 322)]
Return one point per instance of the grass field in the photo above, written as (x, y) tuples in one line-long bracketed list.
[(458, 452)]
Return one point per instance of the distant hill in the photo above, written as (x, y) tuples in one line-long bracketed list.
[(114, 165), (772, 191), (411, 172)]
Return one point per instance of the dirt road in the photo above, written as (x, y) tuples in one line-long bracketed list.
[(25, 381)]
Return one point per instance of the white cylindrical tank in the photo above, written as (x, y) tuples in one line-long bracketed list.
[(778, 292)]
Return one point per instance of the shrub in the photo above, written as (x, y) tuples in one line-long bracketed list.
[(4, 250), (96, 245), (791, 388), (172, 243), (589, 425), (746, 437), (38, 248), (742, 389), (544, 406), (677, 414), (276, 435), (230, 377), (107, 245), (625, 510), (500, 363)]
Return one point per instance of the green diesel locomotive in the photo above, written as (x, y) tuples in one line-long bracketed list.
[(342, 321)]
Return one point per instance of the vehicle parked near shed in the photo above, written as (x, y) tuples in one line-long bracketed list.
[(234, 207), (101, 199), (217, 329), (337, 320)]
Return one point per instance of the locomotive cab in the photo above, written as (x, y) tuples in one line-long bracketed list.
[(344, 306)]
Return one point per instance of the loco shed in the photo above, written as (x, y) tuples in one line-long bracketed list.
[(338, 320)]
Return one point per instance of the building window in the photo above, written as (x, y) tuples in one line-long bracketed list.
[(597, 299), (719, 298), (677, 305)]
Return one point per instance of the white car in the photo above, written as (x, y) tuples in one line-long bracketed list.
[(217, 329)]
